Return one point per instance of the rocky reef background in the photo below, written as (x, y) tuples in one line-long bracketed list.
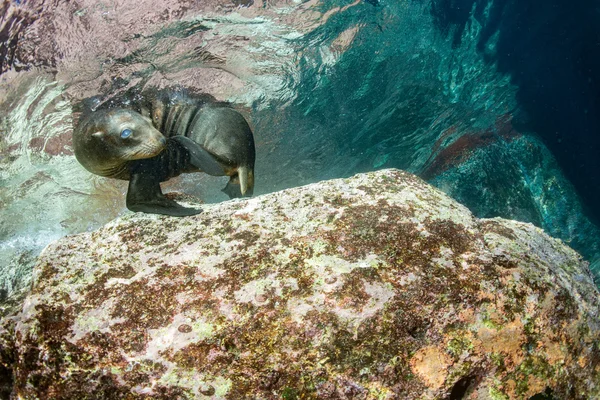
[(331, 88)]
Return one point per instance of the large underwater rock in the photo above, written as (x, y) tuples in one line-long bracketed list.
[(374, 287)]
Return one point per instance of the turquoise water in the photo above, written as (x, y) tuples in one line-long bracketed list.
[(405, 95), (331, 88)]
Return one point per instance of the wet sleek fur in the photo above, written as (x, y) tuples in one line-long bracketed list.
[(171, 135)]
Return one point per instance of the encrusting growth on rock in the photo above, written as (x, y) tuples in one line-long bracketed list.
[(377, 286)]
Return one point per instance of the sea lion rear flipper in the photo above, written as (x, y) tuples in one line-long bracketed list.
[(234, 188), (199, 157), (144, 195)]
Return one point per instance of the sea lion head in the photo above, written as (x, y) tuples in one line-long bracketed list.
[(105, 141)]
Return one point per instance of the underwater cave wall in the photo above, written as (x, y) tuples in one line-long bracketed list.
[(551, 51)]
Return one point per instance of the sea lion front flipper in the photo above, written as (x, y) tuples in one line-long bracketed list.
[(199, 157), (144, 195)]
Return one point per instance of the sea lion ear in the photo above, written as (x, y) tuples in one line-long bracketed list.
[(99, 134)]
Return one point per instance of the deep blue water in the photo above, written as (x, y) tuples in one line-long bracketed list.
[(551, 51)]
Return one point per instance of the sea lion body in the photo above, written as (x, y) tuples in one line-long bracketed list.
[(221, 131), (166, 137)]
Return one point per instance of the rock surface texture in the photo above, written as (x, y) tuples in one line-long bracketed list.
[(374, 287)]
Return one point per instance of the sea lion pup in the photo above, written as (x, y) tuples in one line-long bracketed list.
[(200, 137), (122, 144)]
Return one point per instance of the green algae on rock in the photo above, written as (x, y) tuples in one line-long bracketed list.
[(377, 286)]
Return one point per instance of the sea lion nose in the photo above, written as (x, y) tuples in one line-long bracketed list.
[(163, 141)]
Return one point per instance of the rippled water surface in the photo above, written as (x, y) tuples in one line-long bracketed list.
[(331, 88)]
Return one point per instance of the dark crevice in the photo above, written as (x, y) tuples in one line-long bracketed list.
[(6, 382), (546, 395), (459, 390)]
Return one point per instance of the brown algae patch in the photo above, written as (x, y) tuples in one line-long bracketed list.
[(431, 364)]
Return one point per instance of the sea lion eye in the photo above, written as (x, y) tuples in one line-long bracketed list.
[(125, 133)]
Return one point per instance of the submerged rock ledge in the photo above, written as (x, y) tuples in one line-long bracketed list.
[(374, 287)]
